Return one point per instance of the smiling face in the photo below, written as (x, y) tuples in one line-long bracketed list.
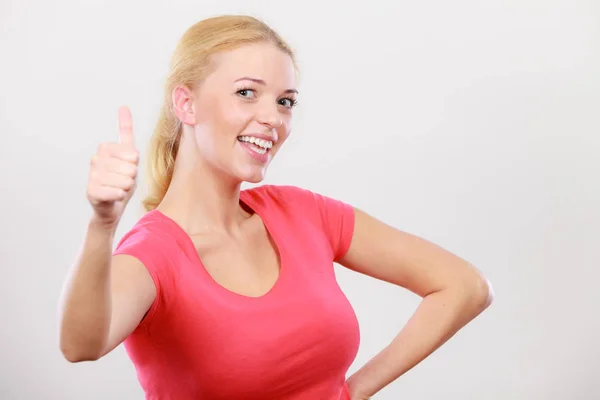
[(243, 110)]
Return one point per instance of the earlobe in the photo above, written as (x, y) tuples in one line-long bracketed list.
[(183, 105)]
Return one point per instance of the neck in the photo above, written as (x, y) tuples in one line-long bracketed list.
[(201, 199)]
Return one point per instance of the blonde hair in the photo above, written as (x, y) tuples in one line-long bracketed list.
[(190, 64)]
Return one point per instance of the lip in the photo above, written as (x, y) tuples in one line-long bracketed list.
[(261, 158)]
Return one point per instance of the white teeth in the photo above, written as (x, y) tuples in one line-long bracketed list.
[(264, 144)]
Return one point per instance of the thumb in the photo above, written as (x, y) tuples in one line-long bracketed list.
[(126, 126)]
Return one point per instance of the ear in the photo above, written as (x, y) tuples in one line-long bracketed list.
[(183, 101)]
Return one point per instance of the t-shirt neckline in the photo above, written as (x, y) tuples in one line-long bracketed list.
[(263, 214)]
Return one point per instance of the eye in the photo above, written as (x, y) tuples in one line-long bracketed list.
[(247, 92), (288, 102)]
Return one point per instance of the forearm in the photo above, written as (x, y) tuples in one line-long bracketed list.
[(439, 316), (85, 307)]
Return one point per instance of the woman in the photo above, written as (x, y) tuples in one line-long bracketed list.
[(223, 293)]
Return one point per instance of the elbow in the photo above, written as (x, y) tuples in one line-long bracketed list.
[(479, 292), (77, 344), (485, 294), (471, 292), (74, 358), (75, 353), (77, 356)]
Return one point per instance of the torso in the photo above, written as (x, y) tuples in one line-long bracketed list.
[(258, 317)]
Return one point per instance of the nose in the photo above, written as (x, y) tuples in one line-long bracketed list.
[(270, 116)]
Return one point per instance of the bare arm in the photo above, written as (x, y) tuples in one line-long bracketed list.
[(104, 298), (453, 291)]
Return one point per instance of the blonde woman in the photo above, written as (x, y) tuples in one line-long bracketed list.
[(223, 293)]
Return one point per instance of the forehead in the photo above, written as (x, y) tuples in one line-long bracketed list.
[(258, 60)]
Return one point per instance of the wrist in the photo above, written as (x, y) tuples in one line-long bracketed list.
[(101, 227)]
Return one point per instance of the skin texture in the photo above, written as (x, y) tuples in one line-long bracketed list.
[(250, 91)]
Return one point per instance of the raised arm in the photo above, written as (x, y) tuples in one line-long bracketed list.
[(105, 297)]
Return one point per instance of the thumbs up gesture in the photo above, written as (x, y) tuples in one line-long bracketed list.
[(113, 174)]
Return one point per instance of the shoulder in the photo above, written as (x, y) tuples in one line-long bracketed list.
[(311, 211), (284, 195), (148, 230), (151, 240), (290, 195)]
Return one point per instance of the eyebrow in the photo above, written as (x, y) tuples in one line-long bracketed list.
[(262, 82)]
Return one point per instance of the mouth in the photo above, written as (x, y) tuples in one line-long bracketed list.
[(260, 146)]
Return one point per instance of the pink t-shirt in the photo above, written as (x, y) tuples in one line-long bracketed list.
[(202, 341)]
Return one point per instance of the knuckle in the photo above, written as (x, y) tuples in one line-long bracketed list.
[(130, 183), (92, 193), (133, 156)]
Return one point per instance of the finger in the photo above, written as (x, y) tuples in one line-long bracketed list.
[(102, 194), (119, 151), (126, 127), (117, 166), (115, 180)]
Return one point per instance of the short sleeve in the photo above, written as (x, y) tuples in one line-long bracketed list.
[(146, 245), (334, 216), (338, 223)]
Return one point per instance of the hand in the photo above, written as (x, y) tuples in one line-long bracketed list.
[(113, 173)]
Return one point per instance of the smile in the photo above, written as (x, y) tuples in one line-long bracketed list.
[(260, 146)]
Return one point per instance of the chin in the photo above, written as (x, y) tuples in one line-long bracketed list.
[(252, 175), (254, 180)]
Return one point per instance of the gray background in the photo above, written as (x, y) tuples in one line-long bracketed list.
[(471, 123)]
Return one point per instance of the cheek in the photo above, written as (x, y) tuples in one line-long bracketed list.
[(283, 135), (287, 128), (234, 117), (222, 118)]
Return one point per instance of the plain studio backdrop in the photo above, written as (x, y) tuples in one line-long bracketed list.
[(473, 124)]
